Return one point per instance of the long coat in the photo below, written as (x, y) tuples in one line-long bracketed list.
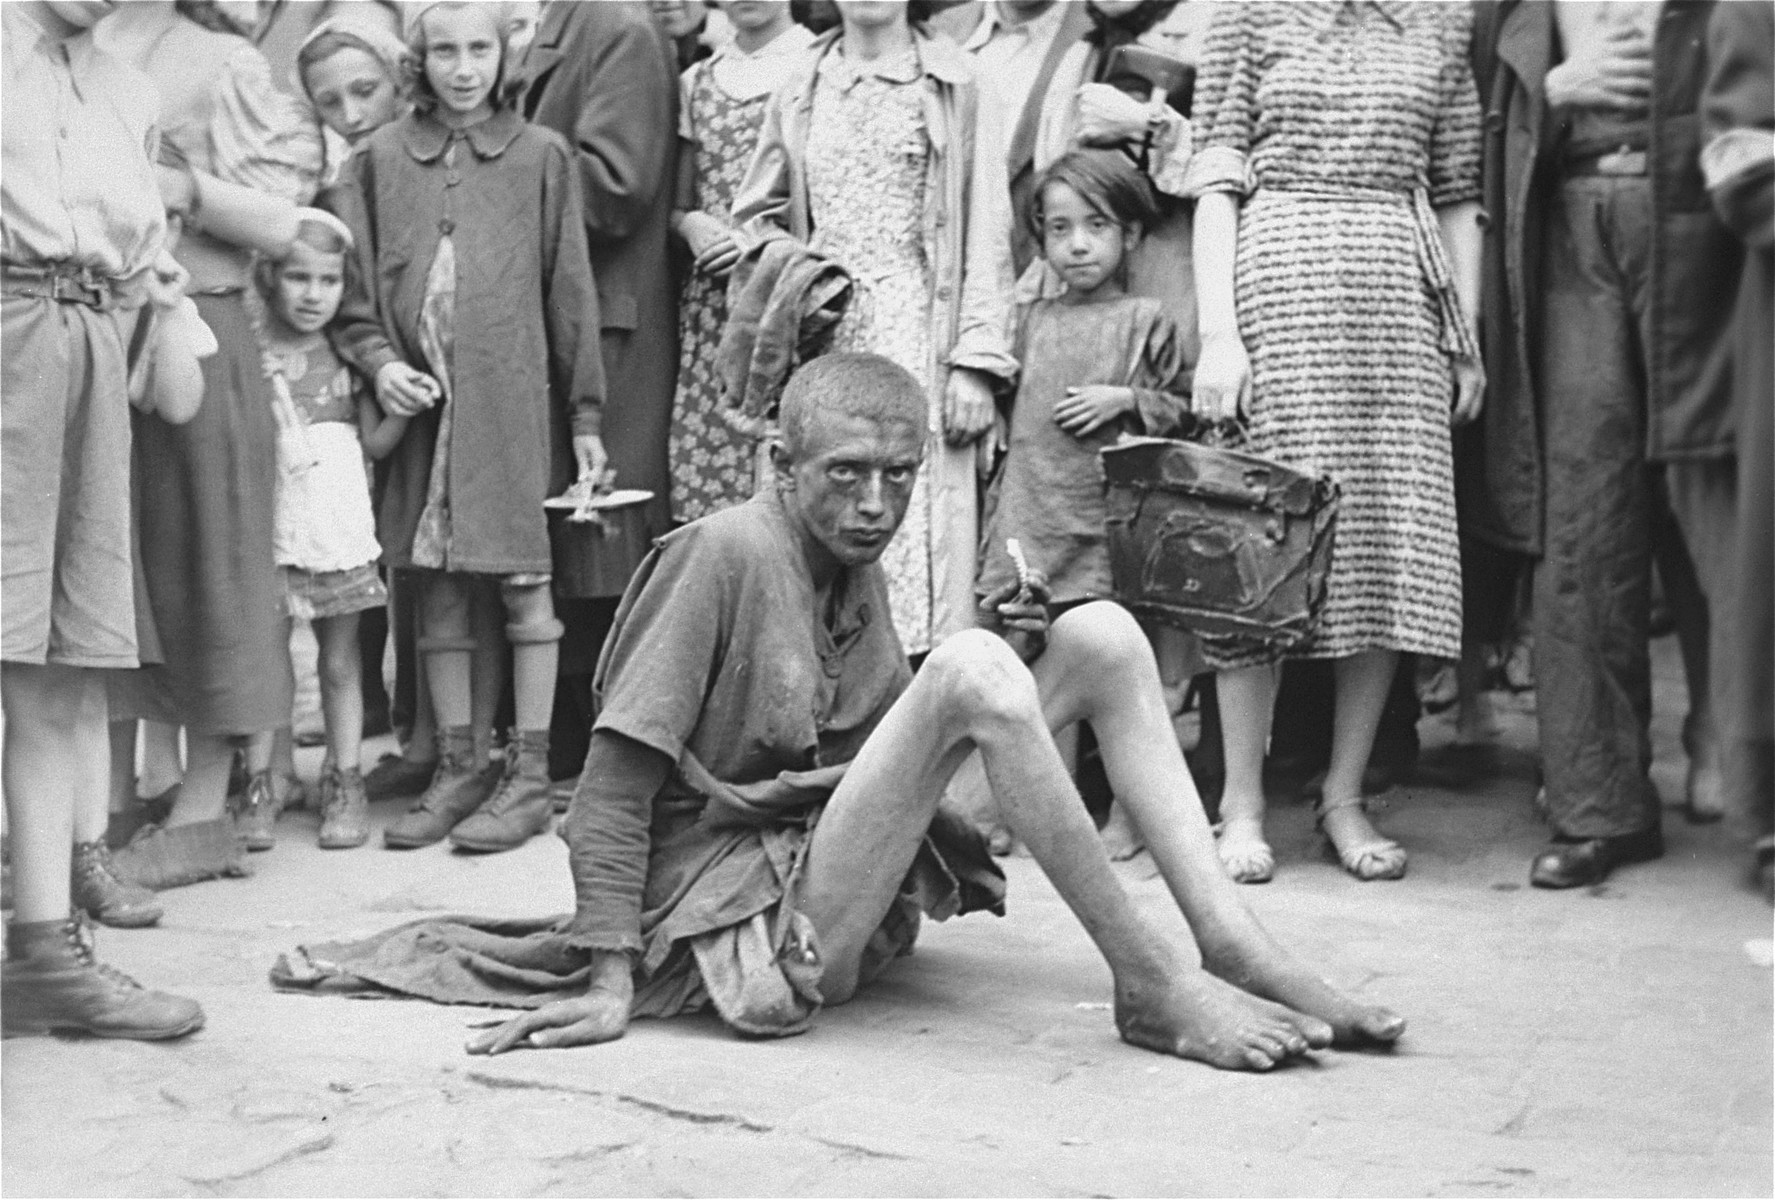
[(1694, 266), (1739, 162), (525, 364), (601, 77), (966, 234)]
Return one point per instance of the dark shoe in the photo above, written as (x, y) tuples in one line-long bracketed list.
[(344, 811), (456, 790), (161, 858), (255, 813), (51, 981), (396, 776), (106, 898), (1581, 862), (521, 806)]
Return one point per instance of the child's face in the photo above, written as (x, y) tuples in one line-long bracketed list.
[(352, 93), (754, 15), (306, 288), (1084, 246), (462, 55)]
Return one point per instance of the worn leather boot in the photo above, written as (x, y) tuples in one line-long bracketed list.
[(456, 790), (161, 858), (344, 811), (50, 981), (521, 807), (106, 898), (255, 813)]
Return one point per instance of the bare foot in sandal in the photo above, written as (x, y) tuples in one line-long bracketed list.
[(1243, 852), (1363, 852)]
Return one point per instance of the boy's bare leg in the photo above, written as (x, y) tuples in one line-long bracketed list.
[(57, 749), (1098, 667), (341, 689), (973, 692)]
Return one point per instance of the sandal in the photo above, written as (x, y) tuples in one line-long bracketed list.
[(1376, 858), (1247, 859)]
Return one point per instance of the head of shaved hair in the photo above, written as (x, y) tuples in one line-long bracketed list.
[(866, 386)]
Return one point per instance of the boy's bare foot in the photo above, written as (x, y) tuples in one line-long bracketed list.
[(1270, 973), (1193, 1015), (1120, 839)]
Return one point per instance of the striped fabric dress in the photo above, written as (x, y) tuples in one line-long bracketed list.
[(1342, 126)]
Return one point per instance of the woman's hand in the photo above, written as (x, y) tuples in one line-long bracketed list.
[(967, 407), (1469, 379), (404, 392), (589, 456), (712, 245), (1108, 116), (1084, 410), (1020, 615), (1223, 378)]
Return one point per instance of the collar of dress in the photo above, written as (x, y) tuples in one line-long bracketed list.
[(426, 136), (1324, 16), (939, 58)]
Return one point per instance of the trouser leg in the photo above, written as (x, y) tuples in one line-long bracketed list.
[(1592, 586)]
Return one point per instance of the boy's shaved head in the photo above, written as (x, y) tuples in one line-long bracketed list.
[(867, 386)]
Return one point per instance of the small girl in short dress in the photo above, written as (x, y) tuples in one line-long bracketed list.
[(325, 531), (1097, 364)]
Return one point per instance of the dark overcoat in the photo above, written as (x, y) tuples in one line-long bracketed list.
[(601, 76), (1694, 265), (525, 365)]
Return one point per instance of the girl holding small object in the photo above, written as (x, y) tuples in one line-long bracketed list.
[(478, 319), (326, 538), (1097, 364)]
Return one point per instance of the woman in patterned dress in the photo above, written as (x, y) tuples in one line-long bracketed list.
[(879, 153), (1337, 247), (722, 108)]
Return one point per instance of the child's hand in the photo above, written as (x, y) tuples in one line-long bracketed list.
[(1087, 409), (404, 392), (711, 243)]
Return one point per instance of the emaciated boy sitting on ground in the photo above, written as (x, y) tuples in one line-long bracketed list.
[(758, 827)]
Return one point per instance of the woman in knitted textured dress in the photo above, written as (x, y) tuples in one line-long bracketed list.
[(1337, 246)]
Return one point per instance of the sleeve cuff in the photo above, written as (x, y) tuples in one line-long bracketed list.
[(1217, 169), (588, 419)]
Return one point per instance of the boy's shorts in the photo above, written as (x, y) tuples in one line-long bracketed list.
[(66, 589)]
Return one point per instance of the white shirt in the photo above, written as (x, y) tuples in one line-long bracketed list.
[(1010, 55)]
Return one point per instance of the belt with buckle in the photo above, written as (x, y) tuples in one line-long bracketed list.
[(60, 282), (1623, 162)]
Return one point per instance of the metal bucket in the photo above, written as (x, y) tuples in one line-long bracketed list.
[(595, 557)]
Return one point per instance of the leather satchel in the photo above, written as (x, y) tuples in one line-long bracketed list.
[(1217, 541)]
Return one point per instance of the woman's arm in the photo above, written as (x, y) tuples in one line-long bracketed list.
[(1223, 372)]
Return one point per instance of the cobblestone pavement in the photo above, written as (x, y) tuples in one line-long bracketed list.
[(1614, 1041)]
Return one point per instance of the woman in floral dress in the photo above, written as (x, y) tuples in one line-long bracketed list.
[(1337, 255), (879, 153), (722, 108)]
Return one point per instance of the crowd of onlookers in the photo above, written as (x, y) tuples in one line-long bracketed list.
[(433, 315)]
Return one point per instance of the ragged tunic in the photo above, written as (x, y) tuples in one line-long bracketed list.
[(719, 660)]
